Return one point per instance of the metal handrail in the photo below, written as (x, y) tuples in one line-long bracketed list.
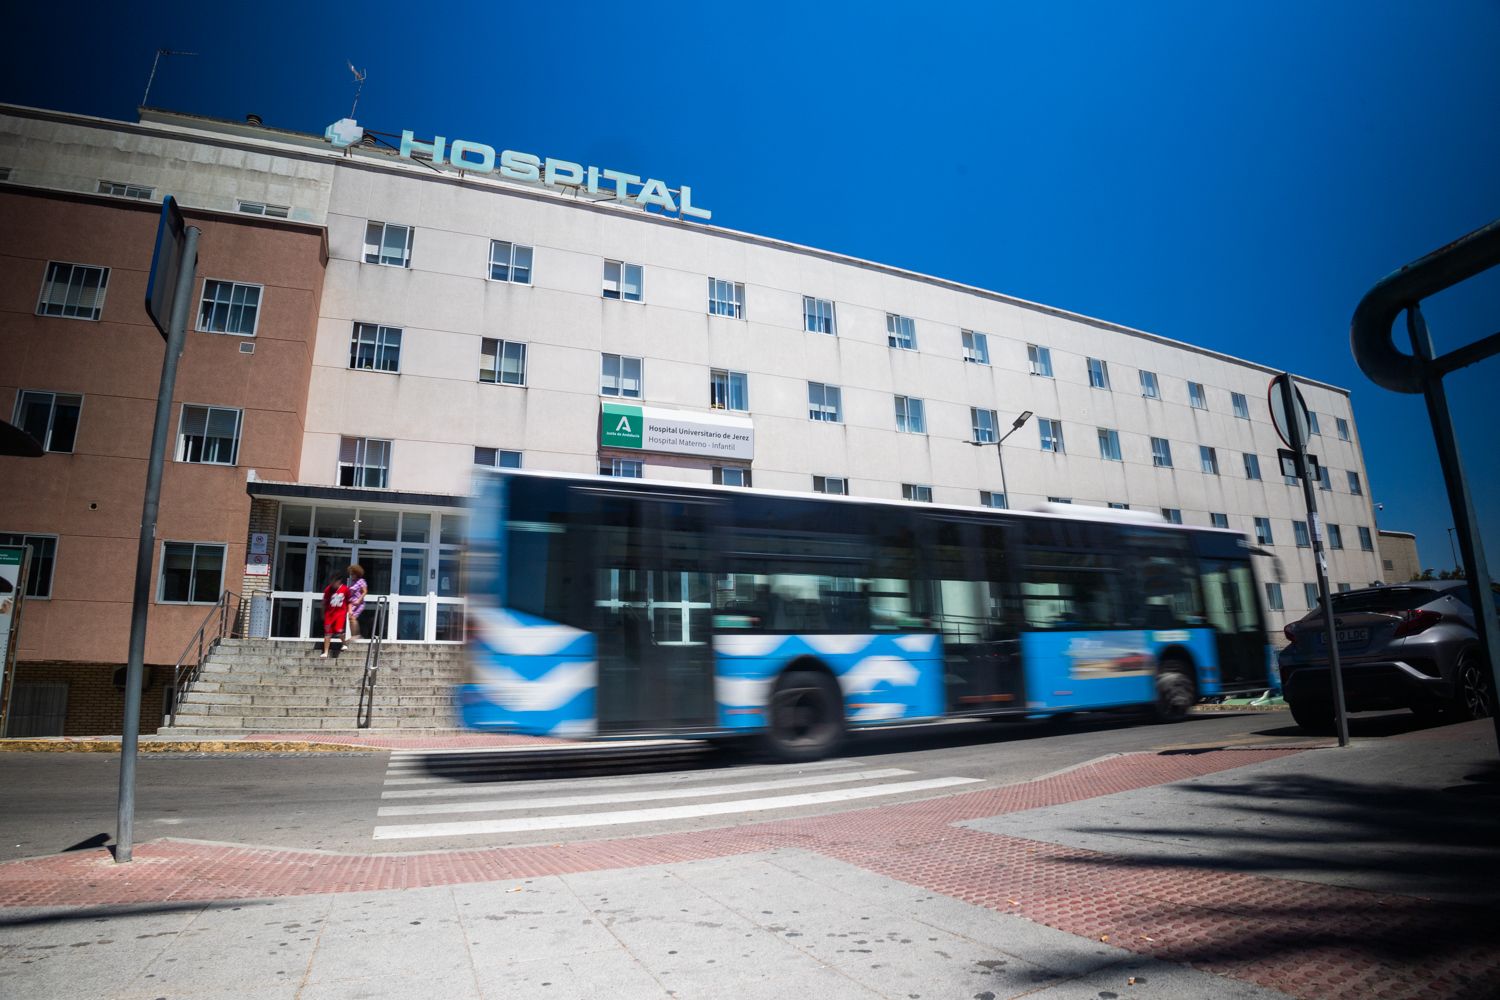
[(372, 664), (1372, 339), (190, 664)]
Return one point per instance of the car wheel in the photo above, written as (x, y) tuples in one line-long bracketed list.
[(1473, 697), (1313, 717), (1175, 692), (806, 717)]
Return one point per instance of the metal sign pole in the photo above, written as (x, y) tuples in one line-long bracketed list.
[(1320, 561), (130, 733)]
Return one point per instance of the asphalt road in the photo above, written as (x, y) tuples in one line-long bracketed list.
[(380, 802)]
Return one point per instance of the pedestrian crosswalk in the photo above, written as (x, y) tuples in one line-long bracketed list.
[(450, 797)]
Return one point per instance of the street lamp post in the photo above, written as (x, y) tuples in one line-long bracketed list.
[(1000, 452)]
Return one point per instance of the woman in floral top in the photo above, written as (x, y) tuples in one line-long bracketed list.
[(357, 590)]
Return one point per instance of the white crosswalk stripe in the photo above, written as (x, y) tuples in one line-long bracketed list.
[(451, 786)]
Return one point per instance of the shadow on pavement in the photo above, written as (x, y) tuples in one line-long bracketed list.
[(97, 840), (81, 914)]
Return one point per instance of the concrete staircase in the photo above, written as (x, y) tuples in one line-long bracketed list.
[(261, 686)]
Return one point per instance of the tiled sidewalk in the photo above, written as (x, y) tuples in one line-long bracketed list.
[(1306, 939)]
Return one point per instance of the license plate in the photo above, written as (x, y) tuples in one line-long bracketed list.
[(1346, 636)]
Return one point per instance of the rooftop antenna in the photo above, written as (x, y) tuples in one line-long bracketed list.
[(154, 63), (359, 79)]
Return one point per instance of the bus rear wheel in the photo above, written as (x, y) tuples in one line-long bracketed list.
[(806, 716)]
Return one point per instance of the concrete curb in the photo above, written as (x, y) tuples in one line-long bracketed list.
[(104, 745)]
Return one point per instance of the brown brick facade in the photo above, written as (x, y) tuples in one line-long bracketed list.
[(95, 706)]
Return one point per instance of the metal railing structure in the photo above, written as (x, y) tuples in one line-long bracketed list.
[(372, 665), (222, 622), (1375, 350)]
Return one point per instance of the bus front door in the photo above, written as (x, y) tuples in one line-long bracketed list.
[(653, 614), (1230, 604)]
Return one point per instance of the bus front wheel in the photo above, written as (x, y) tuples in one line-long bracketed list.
[(806, 718), (1175, 693)]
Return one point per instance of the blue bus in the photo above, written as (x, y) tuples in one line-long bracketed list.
[(623, 607)]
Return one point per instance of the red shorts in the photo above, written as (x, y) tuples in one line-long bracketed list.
[(333, 621)]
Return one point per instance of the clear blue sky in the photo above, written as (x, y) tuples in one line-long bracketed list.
[(1235, 176)]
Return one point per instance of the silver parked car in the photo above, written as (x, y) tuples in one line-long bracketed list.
[(1411, 645)]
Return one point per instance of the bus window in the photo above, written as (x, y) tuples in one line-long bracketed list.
[(1070, 579), (1229, 589), (1164, 569)]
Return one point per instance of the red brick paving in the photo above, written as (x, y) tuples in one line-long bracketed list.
[(1309, 940)]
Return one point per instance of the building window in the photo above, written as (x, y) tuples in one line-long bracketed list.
[(1051, 434), (817, 316), (728, 390), (1342, 426), (1325, 478), (1208, 458), (910, 418), (1344, 588), (502, 362), (208, 435), (73, 291), (731, 475), (1299, 532), (1172, 514), (50, 417), (388, 244), (1263, 531), (1387, 564), (1252, 466), (1161, 453), (824, 402), (996, 500), (1059, 499), (261, 208), (1112, 505), (191, 573), (120, 189), (1109, 445), (375, 348), (364, 462), (43, 560), (1310, 594), (1098, 374), (495, 458), (1312, 423), (1196, 397), (229, 307), (983, 425), (1366, 543), (1335, 537), (620, 376), (6, 173), (622, 280), (1354, 485), (1218, 520), (1149, 388), (510, 262), (1273, 597), (835, 485), (620, 468), (1241, 407), (900, 332), (918, 493), (1041, 360), (976, 347), (726, 298)]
